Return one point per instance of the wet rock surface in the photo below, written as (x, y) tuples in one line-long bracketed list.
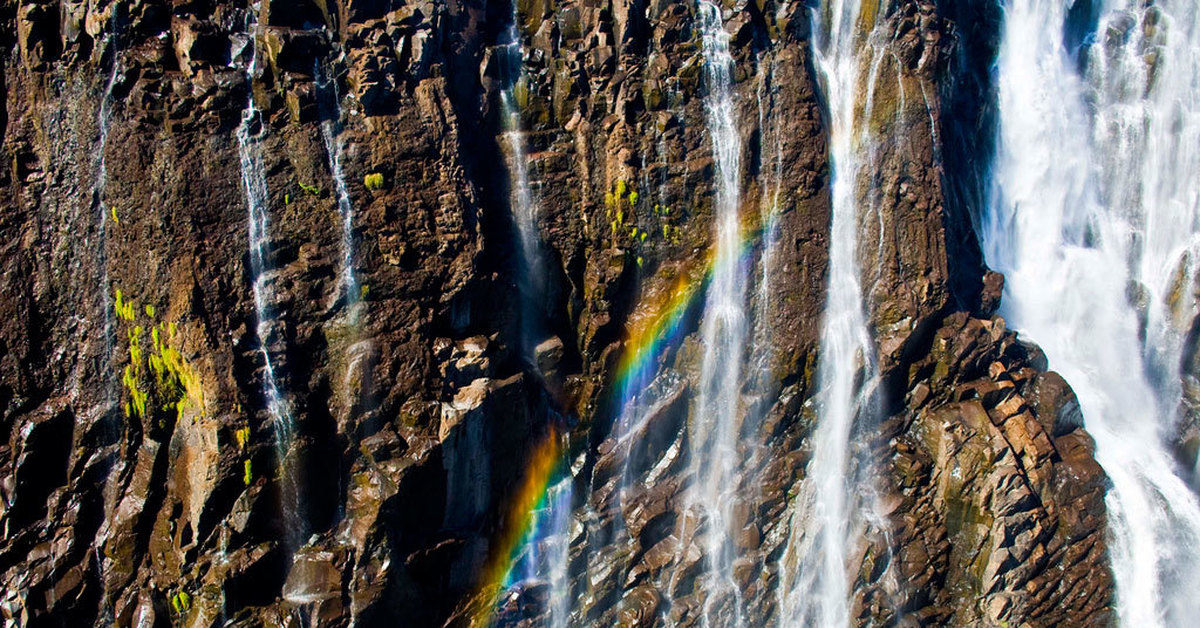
[(415, 423)]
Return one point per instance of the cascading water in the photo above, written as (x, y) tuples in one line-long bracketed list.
[(99, 212), (524, 205), (104, 360), (544, 559), (1145, 82), (104, 121), (771, 144), (351, 293), (1095, 209), (254, 184), (828, 512), (331, 128), (713, 432)]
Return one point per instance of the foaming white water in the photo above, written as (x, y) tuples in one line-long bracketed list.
[(525, 209), (1095, 204), (714, 423), (1144, 79), (828, 514), (254, 184), (545, 558)]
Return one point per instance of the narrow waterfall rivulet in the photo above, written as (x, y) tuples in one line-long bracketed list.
[(829, 514), (770, 186), (543, 556), (1094, 225), (350, 296), (714, 439), (257, 208), (101, 213), (524, 200), (258, 204), (331, 127), (102, 216)]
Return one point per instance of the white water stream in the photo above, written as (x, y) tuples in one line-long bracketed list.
[(714, 423), (254, 184), (1094, 224), (828, 514), (544, 558), (331, 128)]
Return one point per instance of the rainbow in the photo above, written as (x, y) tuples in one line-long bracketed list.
[(545, 466), (648, 335)]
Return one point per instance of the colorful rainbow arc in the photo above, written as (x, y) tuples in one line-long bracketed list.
[(545, 465), (648, 337)]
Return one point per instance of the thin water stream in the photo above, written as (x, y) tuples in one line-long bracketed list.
[(331, 129), (254, 183), (828, 514), (713, 431), (543, 559)]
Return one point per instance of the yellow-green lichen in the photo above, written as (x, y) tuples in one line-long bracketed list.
[(157, 378)]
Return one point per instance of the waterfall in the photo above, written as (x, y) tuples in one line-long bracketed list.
[(331, 128), (1146, 88), (1094, 210), (769, 215), (828, 513), (714, 422), (110, 491), (351, 293), (100, 211), (544, 559), (524, 204), (254, 184)]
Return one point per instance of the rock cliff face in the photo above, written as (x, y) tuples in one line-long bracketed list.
[(142, 483)]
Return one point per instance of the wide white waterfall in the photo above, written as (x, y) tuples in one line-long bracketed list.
[(1144, 81), (254, 183), (828, 514), (1094, 225), (714, 422)]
